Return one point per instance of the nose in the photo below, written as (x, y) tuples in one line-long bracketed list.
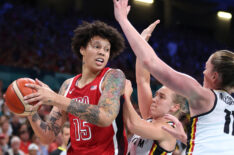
[(154, 100), (101, 52)]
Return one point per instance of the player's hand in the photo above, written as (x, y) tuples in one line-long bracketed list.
[(178, 132), (146, 33), (128, 88), (121, 9), (44, 94)]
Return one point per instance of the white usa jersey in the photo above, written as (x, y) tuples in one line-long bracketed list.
[(212, 133)]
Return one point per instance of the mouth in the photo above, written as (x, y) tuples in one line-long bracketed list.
[(99, 61)]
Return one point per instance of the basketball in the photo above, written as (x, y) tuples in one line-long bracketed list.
[(14, 96)]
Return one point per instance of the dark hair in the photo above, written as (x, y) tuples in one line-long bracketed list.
[(223, 63), (86, 31)]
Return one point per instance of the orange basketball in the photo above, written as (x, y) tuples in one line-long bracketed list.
[(14, 96)]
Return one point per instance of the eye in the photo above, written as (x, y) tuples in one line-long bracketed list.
[(97, 46), (107, 49)]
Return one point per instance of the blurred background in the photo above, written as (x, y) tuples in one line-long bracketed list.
[(35, 42), (35, 35)]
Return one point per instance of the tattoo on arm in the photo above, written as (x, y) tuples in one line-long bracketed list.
[(54, 126), (35, 117), (109, 101), (64, 87), (84, 111), (114, 86), (51, 125)]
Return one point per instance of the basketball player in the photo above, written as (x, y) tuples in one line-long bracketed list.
[(153, 139), (211, 105), (91, 99)]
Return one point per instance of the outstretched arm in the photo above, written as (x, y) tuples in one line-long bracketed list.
[(49, 129), (144, 92), (178, 82), (102, 114)]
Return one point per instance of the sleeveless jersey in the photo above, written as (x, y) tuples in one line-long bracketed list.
[(142, 146), (87, 138), (212, 133)]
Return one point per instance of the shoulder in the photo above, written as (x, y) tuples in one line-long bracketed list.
[(203, 103), (64, 86), (114, 74), (114, 78)]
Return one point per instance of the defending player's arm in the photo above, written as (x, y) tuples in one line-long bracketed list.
[(48, 130), (144, 92), (140, 126), (178, 82)]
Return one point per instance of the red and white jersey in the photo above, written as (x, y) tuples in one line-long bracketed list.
[(87, 138), (212, 133)]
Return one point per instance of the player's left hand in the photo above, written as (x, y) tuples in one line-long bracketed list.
[(121, 9), (44, 94)]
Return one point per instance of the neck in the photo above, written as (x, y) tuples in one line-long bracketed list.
[(87, 77)]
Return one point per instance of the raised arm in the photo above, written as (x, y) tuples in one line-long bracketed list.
[(144, 92), (102, 114), (140, 126), (178, 82), (49, 129)]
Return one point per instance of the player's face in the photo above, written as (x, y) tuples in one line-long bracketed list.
[(96, 54), (208, 73), (162, 102)]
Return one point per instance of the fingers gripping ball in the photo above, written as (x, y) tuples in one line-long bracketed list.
[(14, 97)]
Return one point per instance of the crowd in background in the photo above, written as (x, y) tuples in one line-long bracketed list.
[(40, 39)]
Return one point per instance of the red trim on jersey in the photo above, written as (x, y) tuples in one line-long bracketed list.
[(192, 139)]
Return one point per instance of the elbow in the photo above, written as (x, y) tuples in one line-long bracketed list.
[(147, 62), (104, 123)]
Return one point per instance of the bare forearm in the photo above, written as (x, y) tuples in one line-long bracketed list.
[(142, 75), (130, 116)]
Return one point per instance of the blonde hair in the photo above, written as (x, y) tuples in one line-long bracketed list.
[(182, 101)]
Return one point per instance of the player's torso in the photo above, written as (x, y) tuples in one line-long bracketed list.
[(142, 146), (87, 138), (213, 132)]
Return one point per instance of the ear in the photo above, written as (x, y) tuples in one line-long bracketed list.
[(175, 107), (82, 51), (215, 77)]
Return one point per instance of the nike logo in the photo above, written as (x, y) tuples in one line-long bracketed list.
[(71, 91)]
